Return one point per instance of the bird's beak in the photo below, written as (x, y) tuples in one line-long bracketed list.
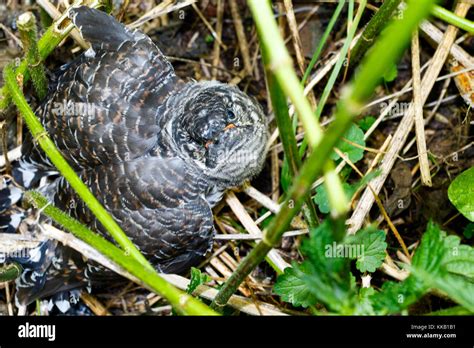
[(229, 126)]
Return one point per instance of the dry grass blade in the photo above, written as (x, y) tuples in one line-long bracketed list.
[(53, 12), (418, 110), (217, 47), (252, 228), (242, 38), (160, 10)]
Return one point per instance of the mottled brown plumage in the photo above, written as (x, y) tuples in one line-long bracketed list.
[(156, 150)]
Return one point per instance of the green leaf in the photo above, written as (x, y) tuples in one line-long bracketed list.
[(364, 304), (197, 278), (291, 287), (373, 246), (366, 123), (456, 287), (391, 73), (458, 258), (209, 39), (395, 297), (461, 193), (325, 276), (356, 136), (469, 231), (322, 200), (440, 262)]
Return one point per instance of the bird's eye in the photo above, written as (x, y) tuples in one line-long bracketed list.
[(231, 116)]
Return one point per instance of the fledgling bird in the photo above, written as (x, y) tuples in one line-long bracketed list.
[(156, 150)]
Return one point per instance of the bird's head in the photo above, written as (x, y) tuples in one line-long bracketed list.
[(223, 131)]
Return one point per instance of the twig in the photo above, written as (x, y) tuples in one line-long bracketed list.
[(239, 210), (209, 26), (456, 51), (54, 13), (96, 307), (262, 199), (12, 155), (418, 110), (160, 10), (241, 37), (371, 31), (28, 33), (216, 53), (240, 236), (290, 15)]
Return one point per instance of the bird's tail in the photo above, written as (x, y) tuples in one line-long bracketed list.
[(100, 29)]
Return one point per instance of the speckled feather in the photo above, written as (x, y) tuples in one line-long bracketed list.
[(157, 151)]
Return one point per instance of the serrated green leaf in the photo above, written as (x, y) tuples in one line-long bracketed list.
[(456, 287), (373, 246), (326, 277), (291, 287), (458, 258), (395, 297), (461, 193), (354, 135), (197, 278), (436, 265)]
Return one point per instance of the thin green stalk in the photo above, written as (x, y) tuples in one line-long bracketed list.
[(387, 51), (181, 301), (48, 42), (28, 34), (40, 135), (340, 62), (287, 136), (373, 28), (337, 198), (453, 19), (323, 40), (10, 271), (280, 65)]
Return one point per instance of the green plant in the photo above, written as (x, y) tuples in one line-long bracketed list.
[(461, 193), (440, 263)]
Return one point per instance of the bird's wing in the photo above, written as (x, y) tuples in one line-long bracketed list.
[(158, 204), (105, 106)]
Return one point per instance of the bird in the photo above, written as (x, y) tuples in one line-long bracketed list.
[(157, 150)]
